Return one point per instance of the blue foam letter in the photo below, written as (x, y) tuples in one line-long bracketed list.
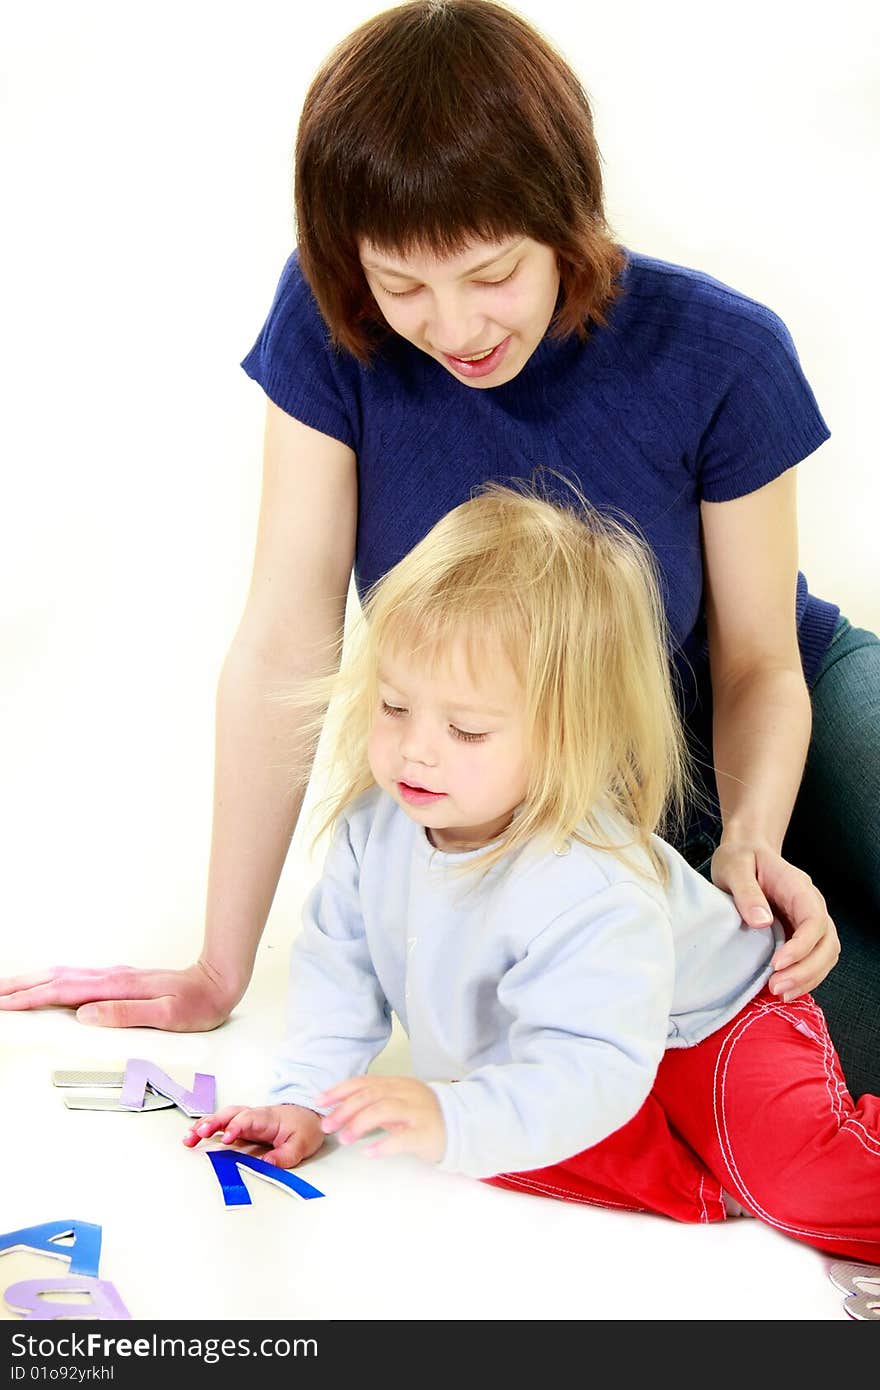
[(83, 1254), (235, 1194)]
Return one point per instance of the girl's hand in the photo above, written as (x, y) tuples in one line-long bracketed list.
[(181, 1001), (762, 883), (406, 1109), (291, 1132)]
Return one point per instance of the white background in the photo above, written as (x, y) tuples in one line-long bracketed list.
[(146, 179)]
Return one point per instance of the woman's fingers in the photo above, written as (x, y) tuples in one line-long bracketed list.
[(757, 876), (751, 903), (812, 948), (64, 986), (809, 955), (183, 1001)]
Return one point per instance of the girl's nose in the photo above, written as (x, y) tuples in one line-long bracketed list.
[(416, 746)]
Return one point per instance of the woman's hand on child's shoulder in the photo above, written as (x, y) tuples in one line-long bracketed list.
[(406, 1109), (194, 1000), (291, 1132), (762, 884)]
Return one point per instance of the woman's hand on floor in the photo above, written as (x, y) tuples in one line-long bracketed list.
[(181, 1001)]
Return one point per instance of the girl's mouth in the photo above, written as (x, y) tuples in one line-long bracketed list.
[(418, 796)]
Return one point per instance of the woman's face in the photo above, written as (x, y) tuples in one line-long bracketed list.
[(480, 313)]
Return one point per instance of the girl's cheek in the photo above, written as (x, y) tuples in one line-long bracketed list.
[(376, 752)]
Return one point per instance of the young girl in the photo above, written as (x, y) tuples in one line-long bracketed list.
[(588, 1016)]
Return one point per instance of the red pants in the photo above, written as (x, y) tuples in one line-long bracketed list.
[(759, 1109)]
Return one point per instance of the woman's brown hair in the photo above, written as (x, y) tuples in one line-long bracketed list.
[(437, 123)]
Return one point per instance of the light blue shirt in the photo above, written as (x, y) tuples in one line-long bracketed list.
[(547, 992)]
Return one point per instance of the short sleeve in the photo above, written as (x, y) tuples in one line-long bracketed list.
[(767, 418), (296, 364)]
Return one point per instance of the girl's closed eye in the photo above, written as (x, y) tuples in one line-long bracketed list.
[(467, 737), (392, 710)]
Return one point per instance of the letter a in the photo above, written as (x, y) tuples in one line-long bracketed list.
[(83, 1254), (102, 1299), (235, 1194), (139, 1074)]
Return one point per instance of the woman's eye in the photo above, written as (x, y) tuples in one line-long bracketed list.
[(503, 281), (405, 294), (392, 709), (466, 737)]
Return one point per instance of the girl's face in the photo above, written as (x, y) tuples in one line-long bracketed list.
[(481, 313), (451, 752)]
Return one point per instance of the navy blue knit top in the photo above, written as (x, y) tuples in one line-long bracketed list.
[(691, 391)]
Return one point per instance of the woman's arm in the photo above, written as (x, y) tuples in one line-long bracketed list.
[(293, 615), (761, 730)]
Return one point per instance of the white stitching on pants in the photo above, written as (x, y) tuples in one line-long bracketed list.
[(724, 1140), (531, 1185)]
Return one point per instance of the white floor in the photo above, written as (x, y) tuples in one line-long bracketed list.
[(389, 1240)]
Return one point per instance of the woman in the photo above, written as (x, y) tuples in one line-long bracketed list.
[(458, 311)]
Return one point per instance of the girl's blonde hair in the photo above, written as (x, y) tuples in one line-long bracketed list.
[(570, 598)]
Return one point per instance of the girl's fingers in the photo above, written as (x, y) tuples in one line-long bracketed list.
[(340, 1116), (344, 1110), (344, 1116), (401, 1141), (344, 1089), (207, 1125), (288, 1154), (382, 1114)]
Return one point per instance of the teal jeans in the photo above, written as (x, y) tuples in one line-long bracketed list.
[(834, 836)]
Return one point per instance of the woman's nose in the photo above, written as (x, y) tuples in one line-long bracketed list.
[(454, 330)]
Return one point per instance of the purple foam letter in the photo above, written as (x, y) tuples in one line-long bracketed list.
[(139, 1074), (103, 1300)]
